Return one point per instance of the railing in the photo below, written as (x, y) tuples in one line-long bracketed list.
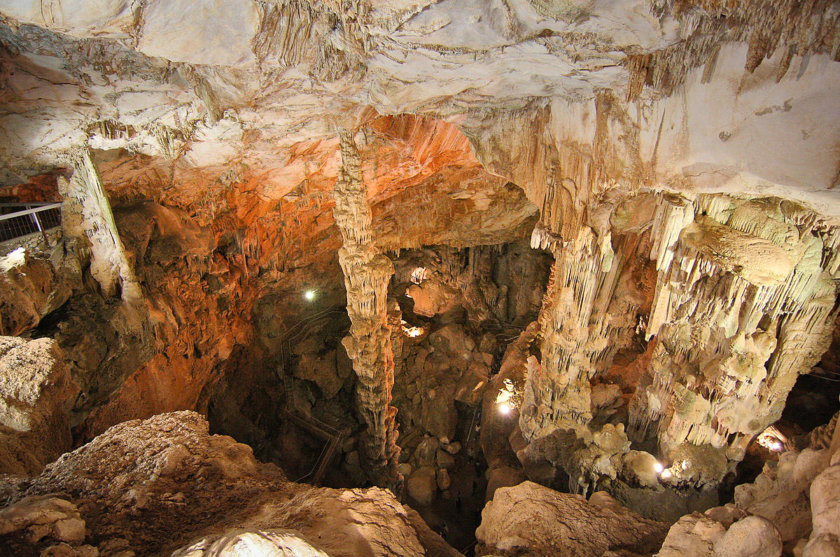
[(21, 219)]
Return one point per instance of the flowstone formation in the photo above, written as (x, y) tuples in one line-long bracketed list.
[(745, 303), (742, 303)]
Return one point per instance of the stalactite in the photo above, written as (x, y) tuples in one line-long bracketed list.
[(367, 273), (743, 304), (85, 197), (735, 326)]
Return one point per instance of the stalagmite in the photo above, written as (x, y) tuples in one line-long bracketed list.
[(366, 276)]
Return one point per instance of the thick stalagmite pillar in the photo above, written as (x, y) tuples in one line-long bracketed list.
[(366, 276), (87, 212)]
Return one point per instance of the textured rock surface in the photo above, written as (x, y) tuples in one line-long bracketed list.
[(36, 394), (678, 157), (366, 276), (164, 482), (533, 520), (35, 280)]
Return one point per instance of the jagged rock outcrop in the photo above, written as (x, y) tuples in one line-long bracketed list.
[(533, 520), (35, 280), (156, 485), (366, 276), (36, 395)]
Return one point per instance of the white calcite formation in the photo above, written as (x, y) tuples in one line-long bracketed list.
[(743, 304), (87, 213), (366, 276)]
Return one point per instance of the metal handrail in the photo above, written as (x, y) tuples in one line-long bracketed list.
[(12, 230), (29, 209)]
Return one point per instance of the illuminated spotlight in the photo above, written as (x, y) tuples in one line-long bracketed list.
[(505, 408), (777, 446), (666, 475), (418, 275), (410, 331), (658, 467), (309, 295)]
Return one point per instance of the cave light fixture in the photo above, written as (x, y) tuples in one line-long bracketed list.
[(310, 295), (663, 473), (506, 399), (409, 331)]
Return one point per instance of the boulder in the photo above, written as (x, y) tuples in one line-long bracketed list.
[(444, 459), (426, 452), (752, 536), (443, 479), (502, 476), (422, 485), (694, 534), (530, 519)]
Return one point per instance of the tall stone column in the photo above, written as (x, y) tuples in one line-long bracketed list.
[(86, 213), (366, 276)]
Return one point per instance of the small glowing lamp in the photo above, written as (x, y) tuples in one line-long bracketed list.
[(658, 467), (505, 408), (777, 446), (309, 295)]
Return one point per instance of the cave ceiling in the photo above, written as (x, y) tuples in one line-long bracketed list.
[(194, 100)]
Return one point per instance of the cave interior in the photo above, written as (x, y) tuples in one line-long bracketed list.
[(415, 277)]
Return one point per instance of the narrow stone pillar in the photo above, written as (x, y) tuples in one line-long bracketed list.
[(366, 276)]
